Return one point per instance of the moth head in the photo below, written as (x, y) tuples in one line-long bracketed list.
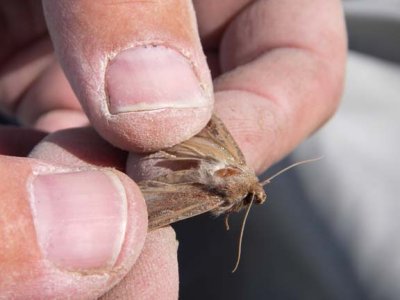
[(259, 194)]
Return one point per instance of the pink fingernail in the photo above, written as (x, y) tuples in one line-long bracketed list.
[(151, 78), (80, 218)]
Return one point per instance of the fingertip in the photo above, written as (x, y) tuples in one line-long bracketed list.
[(143, 82), (73, 228), (66, 231), (81, 155), (89, 221), (155, 99)]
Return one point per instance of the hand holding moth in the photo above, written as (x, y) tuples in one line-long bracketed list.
[(138, 71)]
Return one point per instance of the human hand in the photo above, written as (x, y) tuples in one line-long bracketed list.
[(278, 74)]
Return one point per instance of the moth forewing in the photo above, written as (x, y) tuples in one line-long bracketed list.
[(170, 204)]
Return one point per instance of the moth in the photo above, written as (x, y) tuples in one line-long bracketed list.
[(207, 173)]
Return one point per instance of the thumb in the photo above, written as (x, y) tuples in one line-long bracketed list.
[(66, 231), (136, 66)]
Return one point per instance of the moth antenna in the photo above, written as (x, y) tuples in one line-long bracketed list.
[(241, 235), (227, 222), (268, 180)]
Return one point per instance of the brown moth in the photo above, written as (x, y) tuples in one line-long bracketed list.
[(206, 173)]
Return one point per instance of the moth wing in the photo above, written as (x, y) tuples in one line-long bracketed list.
[(219, 134), (213, 142), (169, 203)]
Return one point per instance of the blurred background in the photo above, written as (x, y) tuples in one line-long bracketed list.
[(331, 229)]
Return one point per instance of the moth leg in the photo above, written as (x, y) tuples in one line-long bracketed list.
[(226, 220)]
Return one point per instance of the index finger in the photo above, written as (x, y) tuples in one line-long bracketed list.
[(284, 65)]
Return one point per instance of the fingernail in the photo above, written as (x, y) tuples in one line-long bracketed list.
[(151, 78), (80, 218)]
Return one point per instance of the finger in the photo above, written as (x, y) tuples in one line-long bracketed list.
[(49, 103), (156, 271), (147, 280), (18, 141), (136, 66), (34, 89), (284, 65), (66, 231), (19, 72)]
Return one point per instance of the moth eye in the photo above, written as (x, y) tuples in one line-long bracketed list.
[(227, 172)]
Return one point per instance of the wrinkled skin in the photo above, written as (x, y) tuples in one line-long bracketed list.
[(277, 69)]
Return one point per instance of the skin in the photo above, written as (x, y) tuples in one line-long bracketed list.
[(277, 69)]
